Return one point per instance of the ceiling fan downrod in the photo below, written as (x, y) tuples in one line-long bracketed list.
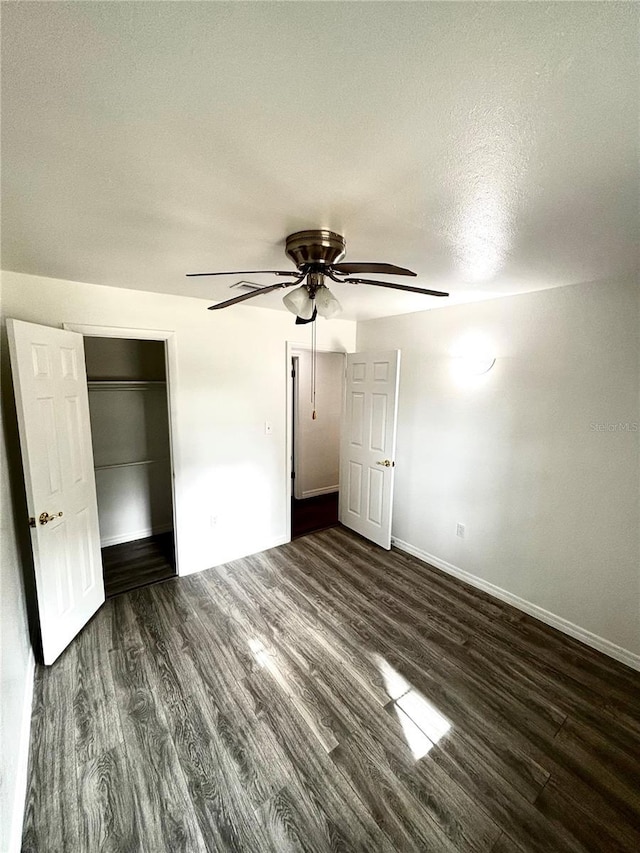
[(314, 281)]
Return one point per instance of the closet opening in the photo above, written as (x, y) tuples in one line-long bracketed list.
[(130, 430), (316, 411)]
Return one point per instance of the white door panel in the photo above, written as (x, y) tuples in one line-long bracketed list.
[(368, 444), (53, 419)]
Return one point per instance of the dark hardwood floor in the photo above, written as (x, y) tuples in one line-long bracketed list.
[(330, 696), (313, 514), (139, 563)]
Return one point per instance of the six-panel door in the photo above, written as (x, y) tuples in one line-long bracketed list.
[(368, 444), (53, 419)]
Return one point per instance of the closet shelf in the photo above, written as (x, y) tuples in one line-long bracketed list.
[(130, 464), (123, 384)]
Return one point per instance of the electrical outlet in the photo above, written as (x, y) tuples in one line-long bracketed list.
[(460, 530), (213, 520), (268, 428)]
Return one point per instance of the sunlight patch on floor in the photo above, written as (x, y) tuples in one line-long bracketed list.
[(395, 685), (422, 723), (424, 714)]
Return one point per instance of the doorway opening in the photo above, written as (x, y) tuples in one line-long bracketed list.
[(130, 431), (315, 441)]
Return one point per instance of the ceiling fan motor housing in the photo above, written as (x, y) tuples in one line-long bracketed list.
[(319, 246)]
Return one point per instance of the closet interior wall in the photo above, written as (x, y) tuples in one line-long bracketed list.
[(130, 435), (317, 440)]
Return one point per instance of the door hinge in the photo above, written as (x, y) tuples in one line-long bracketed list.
[(293, 373), (293, 475)]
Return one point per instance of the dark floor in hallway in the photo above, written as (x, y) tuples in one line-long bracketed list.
[(313, 514), (139, 563), (330, 696)]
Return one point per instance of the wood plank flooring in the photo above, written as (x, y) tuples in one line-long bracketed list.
[(330, 696), (139, 563)]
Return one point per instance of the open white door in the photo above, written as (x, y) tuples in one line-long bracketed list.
[(53, 420), (368, 444)]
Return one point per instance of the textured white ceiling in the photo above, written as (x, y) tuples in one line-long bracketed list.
[(492, 147)]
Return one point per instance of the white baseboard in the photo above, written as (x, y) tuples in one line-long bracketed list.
[(314, 493), (22, 766), (230, 556), (587, 637), (119, 539)]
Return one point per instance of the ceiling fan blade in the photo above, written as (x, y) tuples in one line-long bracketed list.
[(243, 297), (397, 286), (243, 272), (371, 269)]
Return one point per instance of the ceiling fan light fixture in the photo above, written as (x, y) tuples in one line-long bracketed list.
[(299, 303), (326, 303)]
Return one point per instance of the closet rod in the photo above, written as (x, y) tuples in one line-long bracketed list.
[(123, 384), (129, 464)]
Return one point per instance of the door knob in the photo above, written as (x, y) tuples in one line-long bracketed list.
[(387, 463), (45, 518)]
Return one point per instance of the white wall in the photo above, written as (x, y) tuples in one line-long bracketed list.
[(550, 504), (232, 373), (318, 441)]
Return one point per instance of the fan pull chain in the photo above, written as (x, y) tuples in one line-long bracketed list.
[(314, 360)]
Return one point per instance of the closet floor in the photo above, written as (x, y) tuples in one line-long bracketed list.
[(138, 563), (313, 514)]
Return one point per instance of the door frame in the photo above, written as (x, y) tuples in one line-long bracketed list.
[(292, 348), (168, 337), (295, 418)]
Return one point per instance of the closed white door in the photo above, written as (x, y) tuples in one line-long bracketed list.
[(55, 437), (368, 444)]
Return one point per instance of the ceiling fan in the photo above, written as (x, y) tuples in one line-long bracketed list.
[(317, 255)]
